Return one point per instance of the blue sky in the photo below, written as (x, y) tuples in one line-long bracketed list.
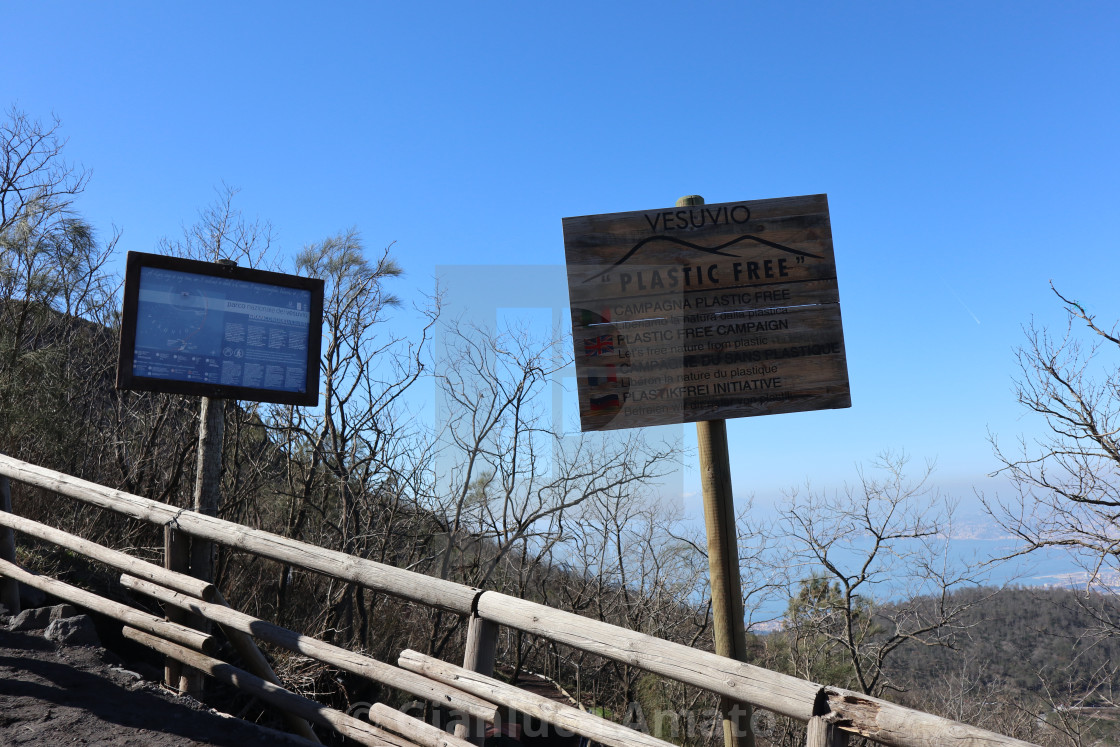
[(968, 150)]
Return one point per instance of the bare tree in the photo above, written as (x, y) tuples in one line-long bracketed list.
[(1068, 488), (37, 186), (510, 480), (223, 232), (968, 693), (354, 465), (1069, 480), (634, 563), (1076, 711), (885, 540)]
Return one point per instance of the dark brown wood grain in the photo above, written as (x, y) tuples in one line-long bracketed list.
[(705, 312)]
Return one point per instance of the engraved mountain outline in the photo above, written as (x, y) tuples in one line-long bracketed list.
[(707, 250)]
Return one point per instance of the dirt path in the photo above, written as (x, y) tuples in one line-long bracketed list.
[(60, 695)]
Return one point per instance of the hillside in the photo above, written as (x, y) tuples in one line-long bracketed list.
[(1019, 635), (1036, 663)]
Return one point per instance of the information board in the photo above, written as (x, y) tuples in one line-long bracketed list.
[(218, 330), (705, 312)]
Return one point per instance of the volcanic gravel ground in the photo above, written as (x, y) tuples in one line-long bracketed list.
[(60, 695)]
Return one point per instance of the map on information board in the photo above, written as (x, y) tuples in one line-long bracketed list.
[(216, 330)]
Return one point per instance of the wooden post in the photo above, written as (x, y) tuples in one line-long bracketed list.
[(816, 732), (207, 496), (479, 656), (208, 474), (9, 587), (723, 558), (820, 733), (207, 483), (176, 557)]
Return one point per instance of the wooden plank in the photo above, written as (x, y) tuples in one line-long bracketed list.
[(558, 714), (699, 306), (719, 239), (646, 290), (777, 692), (344, 659), (274, 695), (433, 592), (716, 343), (134, 617)]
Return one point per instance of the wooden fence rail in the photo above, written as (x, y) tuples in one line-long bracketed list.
[(848, 711), (426, 590), (180, 634), (567, 717), (113, 558), (179, 582), (285, 700), (203, 599), (343, 659)]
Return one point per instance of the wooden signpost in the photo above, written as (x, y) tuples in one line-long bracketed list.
[(705, 312), (217, 331), (699, 313)]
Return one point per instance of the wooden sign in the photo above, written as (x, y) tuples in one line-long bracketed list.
[(705, 312)]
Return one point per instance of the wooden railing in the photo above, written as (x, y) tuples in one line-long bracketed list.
[(831, 713)]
